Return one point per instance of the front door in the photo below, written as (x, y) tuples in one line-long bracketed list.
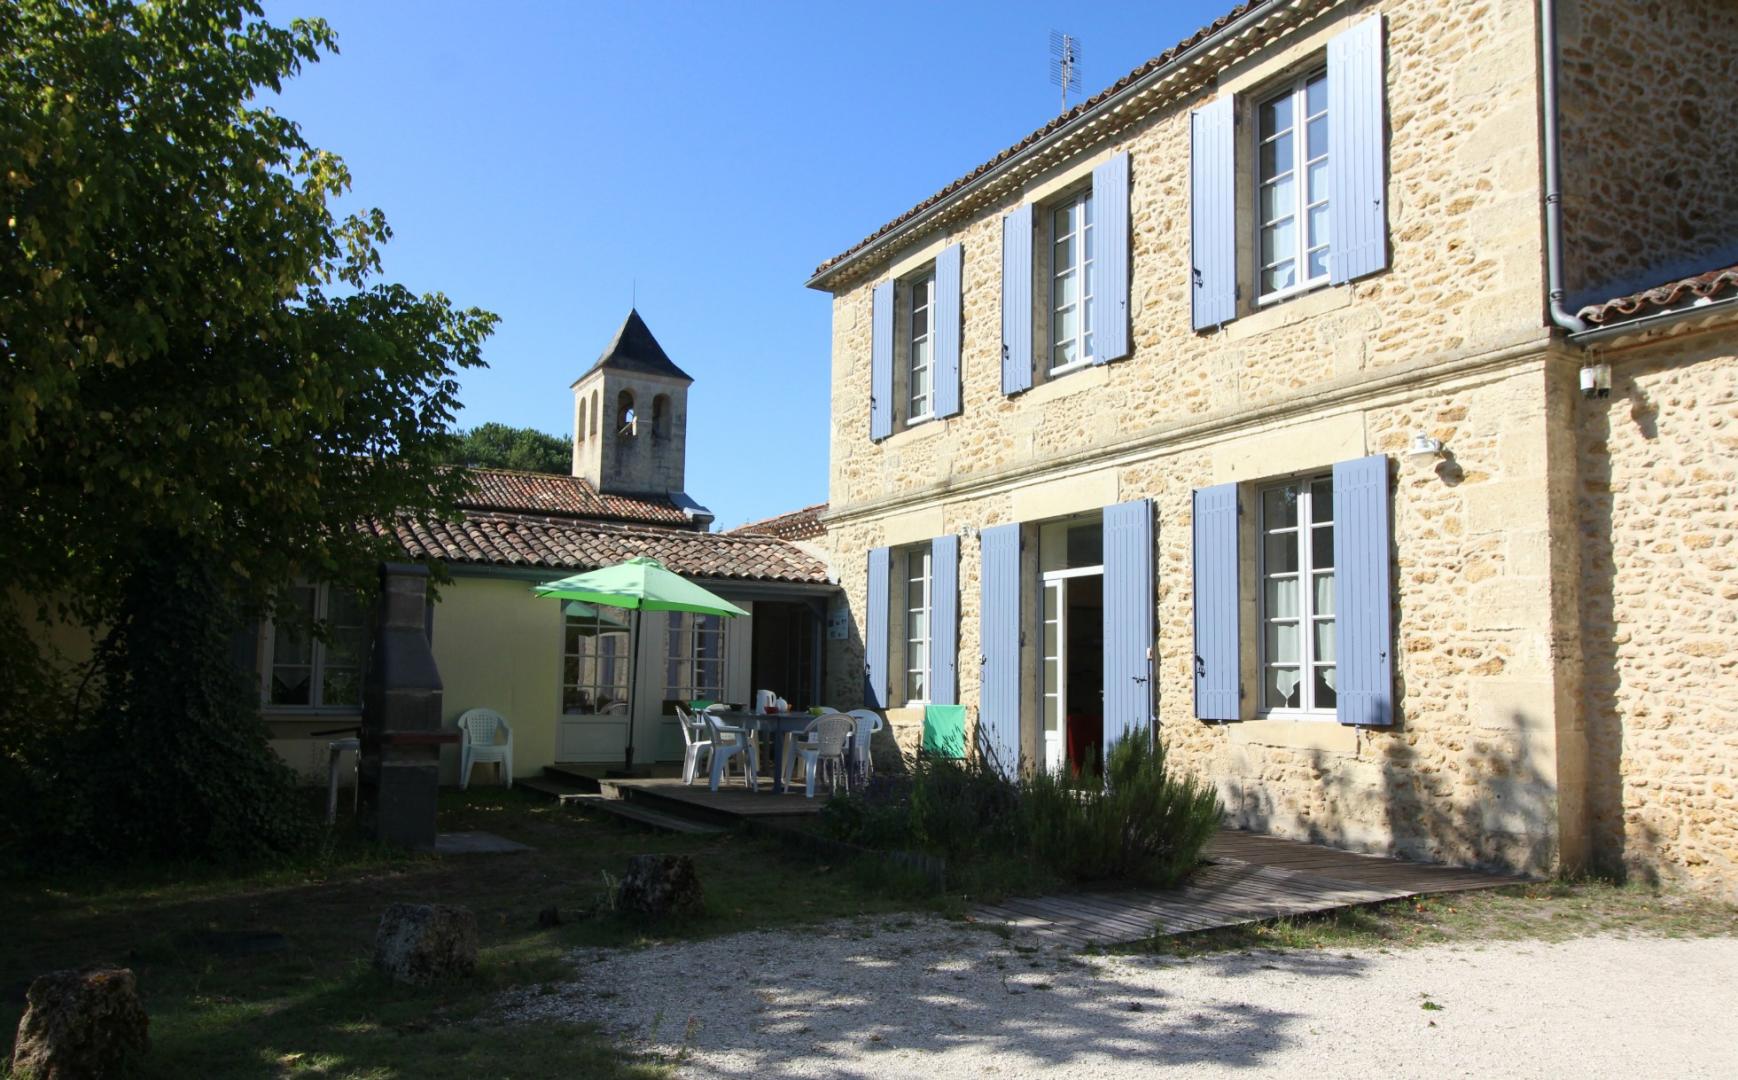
[(1055, 731)]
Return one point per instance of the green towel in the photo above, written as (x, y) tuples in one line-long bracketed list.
[(944, 730)]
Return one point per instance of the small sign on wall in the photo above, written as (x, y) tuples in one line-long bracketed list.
[(838, 625)]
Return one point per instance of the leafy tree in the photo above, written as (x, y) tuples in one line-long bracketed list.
[(502, 446), (203, 379)]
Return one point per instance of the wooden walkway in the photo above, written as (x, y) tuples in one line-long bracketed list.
[(1253, 878)]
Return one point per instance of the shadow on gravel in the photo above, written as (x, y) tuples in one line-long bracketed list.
[(862, 1014)]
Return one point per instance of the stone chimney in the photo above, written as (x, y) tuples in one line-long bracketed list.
[(401, 716)]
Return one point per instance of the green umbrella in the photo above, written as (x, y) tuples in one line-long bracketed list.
[(640, 584)]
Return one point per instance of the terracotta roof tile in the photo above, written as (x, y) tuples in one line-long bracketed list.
[(804, 524), (1704, 286), (1041, 133), (547, 493), (567, 545)]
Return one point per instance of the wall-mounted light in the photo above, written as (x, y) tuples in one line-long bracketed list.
[(1424, 446), (1596, 381)]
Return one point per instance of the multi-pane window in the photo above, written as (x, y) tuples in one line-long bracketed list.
[(1292, 187), (1297, 596), (1071, 283), (694, 658), (308, 672), (594, 659), (917, 624), (922, 347)]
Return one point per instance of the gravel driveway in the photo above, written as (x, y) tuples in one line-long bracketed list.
[(925, 997)]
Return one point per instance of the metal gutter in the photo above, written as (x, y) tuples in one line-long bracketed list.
[(1597, 334), (897, 234), (1554, 289)]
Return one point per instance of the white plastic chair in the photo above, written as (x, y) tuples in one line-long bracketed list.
[(480, 727), (729, 743), (867, 722), (824, 744), (696, 740)]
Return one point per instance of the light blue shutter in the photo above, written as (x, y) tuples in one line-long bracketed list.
[(1357, 203), (1213, 212), (944, 616), (1363, 617), (1128, 619), (999, 635), (948, 326), (1217, 672), (881, 363), (1017, 300), (1110, 261), (876, 600)]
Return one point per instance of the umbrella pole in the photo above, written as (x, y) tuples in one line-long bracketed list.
[(633, 689)]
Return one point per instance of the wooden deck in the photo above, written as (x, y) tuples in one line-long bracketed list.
[(733, 800), (1253, 878)]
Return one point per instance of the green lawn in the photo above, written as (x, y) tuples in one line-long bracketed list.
[(317, 1009)]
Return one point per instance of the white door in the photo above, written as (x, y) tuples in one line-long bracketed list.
[(1055, 731), (593, 726)]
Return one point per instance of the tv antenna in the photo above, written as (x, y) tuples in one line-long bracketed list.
[(1065, 64)]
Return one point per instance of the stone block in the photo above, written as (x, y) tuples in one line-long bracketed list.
[(660, 887), (422, 944), (80, 1024)]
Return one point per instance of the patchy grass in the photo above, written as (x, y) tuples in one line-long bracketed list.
[(316, 1007), (1546, 911)]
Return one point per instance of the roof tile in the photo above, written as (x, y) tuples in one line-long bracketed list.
[(501, 539), (804, 524), (1704, 286), (549, 493)]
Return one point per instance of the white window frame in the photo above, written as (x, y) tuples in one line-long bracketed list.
[(918, 590), (1081, 234), (921, 287), (686, 631), (1307, 617), (1301, 205), (317, 656), (596, 682)]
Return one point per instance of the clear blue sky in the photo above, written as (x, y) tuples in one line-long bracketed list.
[(538, 159)]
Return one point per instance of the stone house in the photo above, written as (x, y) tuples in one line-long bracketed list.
[(1276, 399), (560, 675)]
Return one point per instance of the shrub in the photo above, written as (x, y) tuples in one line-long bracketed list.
[(1142, 825)]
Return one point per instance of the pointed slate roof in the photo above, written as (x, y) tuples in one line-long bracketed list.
[(635, 349)]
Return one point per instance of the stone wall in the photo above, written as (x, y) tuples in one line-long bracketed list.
[(1515, 727), (1465, 276), (1470, 772), (1660, 533), (1649, 136)]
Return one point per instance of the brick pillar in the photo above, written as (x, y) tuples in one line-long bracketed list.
[(401, 715)]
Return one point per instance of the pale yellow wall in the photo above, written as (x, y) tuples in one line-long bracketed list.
[(499, 647)]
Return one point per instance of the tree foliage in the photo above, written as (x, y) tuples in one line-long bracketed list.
[(502, 446), (201, 372)]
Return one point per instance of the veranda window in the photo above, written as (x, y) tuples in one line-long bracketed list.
[(694, 664), (594, 664)]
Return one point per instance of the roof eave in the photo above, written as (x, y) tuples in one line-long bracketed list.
[(1262, 11)]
